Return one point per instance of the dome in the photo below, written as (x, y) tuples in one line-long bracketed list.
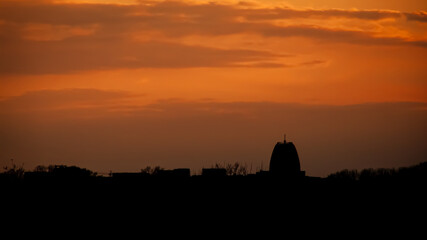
[(284, 160)]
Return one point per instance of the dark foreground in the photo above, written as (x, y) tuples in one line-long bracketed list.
[(235, 191), (387, 204)]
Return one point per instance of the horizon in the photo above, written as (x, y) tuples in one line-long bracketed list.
[(120, 85), (16, 172)]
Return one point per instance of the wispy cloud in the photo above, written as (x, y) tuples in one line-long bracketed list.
[(47, 100), (420, 16), (288, 13), (43, 37), (35, 57)]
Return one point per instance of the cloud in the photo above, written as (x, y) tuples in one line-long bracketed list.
[(80, 14), (40, 38), (312, 63), (262, 65), (167, 15), (288, 13), (332, 35), (417, 16), (64, 14), (43, 100), (39, 57)]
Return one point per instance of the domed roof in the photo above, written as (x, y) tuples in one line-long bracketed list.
[(284, 160)]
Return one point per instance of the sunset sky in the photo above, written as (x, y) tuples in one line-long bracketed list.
[(115, 85)]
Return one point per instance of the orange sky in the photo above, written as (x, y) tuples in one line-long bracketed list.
[(102, 59), (258, 51)]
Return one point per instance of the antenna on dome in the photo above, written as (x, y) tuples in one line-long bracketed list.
[(284, 138)]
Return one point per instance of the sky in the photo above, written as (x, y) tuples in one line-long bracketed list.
[(121, 85)]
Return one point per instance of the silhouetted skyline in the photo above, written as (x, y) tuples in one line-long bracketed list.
[(284, 165)]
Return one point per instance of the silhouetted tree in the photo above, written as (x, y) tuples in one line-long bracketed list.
[(151, 171), (14, 170), (70, 171), (41, 168), (233, 169), (414, 173), (345, 175), (377, 174)]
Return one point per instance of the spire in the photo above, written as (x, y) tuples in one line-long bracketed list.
[(284, 138)]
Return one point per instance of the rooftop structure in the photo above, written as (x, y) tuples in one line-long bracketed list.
[(284, 160)]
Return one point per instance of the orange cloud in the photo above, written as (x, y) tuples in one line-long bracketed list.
[(48, 100), (31, 57), (179, 18), (81, 37), (420, 16), (49, 32)]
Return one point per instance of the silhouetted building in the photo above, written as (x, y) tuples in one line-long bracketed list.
[(179, 172), (214, 172), (284, 160), (126, 175), (262, 173)]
